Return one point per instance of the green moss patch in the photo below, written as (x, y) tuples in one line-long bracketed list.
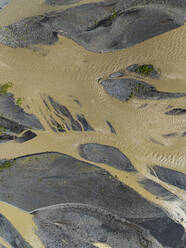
[(114, 15), (19, 101), (5, 87), (2, 130), (6, 165), (145, 69), (60, 127)]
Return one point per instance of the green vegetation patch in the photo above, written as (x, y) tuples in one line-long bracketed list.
[(136, 91), (96, 22), (114, 15), (60, 127), (145, 69), (2, 130), (6, 165), (19, 101), (5, 87), (132, 95)]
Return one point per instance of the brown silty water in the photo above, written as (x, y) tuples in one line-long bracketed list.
[(66, 72)]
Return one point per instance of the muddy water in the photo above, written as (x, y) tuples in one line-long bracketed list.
[(101, 245), (23, 223), (70, 74)]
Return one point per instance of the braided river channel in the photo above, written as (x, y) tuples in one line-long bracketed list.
[(87, 132)]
